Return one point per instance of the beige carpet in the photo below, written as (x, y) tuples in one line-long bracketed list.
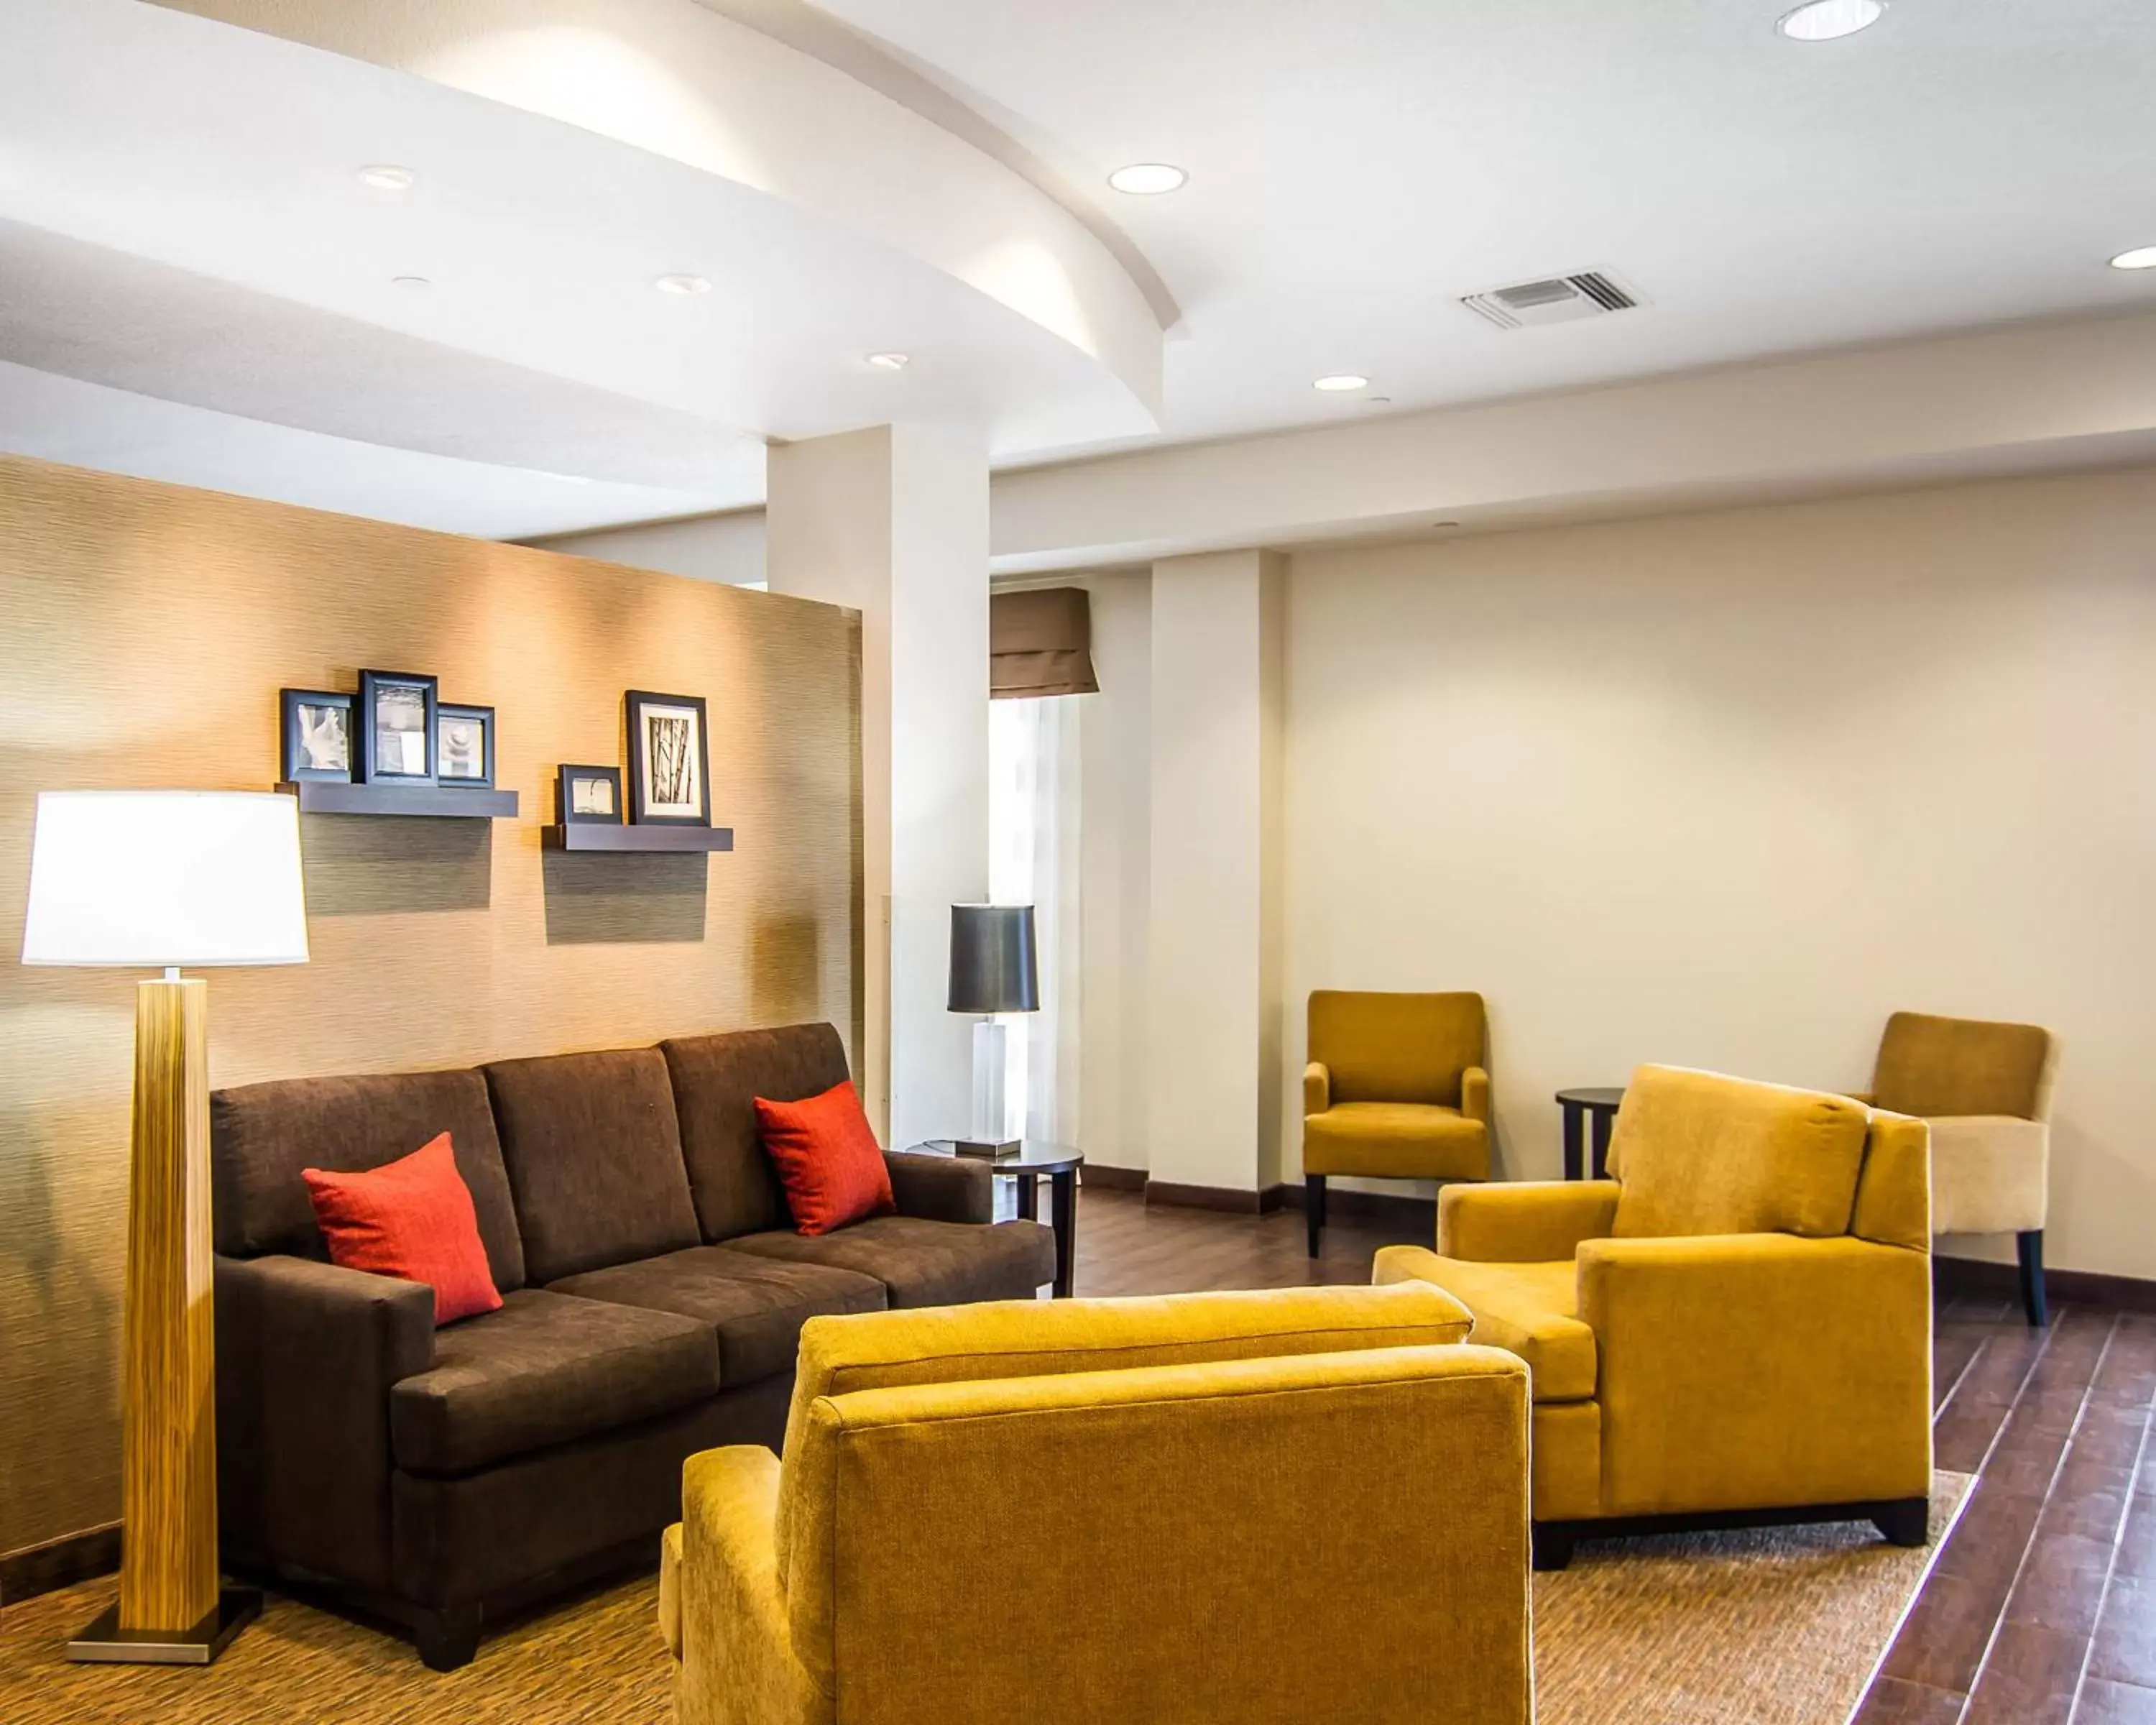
[(1778, 1627)]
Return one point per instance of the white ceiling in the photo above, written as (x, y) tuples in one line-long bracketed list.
[(1358, 165), (192, 285)]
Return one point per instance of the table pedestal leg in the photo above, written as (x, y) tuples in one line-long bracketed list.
[(1574, 1146), (1062, 1192), (1605, 1119), (1028, 1201)]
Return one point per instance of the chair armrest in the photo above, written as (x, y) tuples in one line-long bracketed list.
[(1475, 1094), (732, 1638), (1746, 1369), (942, 1188), (1523, 1221), (1316, 1088), (306, 1353)]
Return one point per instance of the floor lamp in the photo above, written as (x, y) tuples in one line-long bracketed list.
[(993, 969), (157, 879)]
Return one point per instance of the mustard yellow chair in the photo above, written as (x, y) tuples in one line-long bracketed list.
[(1985, 1090), (1398, 1088), (1733, 1328), (1148, 1510)]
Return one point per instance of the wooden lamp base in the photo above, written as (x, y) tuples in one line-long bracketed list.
[(170, 1609)]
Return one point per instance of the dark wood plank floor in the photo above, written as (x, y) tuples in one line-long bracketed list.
[(2041, 1609)]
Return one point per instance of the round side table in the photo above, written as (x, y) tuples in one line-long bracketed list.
[(1031, 1159), (1579, 1105)]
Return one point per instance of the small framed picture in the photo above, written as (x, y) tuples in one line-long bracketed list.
[(317, 733), (464, 745), (590, 796), (396, 727), (669, 760)]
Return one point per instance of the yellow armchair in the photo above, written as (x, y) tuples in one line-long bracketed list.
[(1735, 1328), (1398, 1087), (1097, 1509)]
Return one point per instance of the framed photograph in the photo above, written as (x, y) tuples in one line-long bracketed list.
[(396, 728), (316, 726), (589, 796), (464, 746), (669, 760)]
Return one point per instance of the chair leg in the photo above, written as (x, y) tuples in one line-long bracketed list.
[(1551, 1545), (1313, 1208), (2029, 1245), (1907, 1520)]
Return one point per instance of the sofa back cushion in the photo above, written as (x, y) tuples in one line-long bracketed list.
[(1696, 1153), (262, 1134), (594, 1159), (1396, 1048), (716, 1080), (1932, 1066)]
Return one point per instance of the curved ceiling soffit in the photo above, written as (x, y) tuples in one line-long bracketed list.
[(752, 100)]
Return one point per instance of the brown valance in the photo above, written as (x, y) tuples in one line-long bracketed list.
[(1040, 642)]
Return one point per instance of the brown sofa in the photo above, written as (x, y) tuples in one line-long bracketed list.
[(654, 1294)]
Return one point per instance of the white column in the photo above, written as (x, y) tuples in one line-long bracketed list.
[(894, 522), (1213, 1072)]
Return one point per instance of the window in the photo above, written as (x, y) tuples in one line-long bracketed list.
[(1032, 860)]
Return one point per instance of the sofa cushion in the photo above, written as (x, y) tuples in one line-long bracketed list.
[(593, 1158), (716, 1080), (756, 1306), (1932, 1065), (1406, 1141), (1697, 1152), (1396, 1048), (544, 1369), (827, 1158), (924, 1263), (262, 1134), (411, 1219), (1531, 1310)]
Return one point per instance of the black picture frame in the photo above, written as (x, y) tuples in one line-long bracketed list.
[(370, 765), (300, 743), (448, 711), (565, 798), (640, 707)]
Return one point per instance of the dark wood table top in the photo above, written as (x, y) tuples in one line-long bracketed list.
[(1033, 1156), (1593, 1096)]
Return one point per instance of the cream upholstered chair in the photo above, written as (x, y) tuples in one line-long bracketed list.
[(1398, 1087), (1985, 1089)]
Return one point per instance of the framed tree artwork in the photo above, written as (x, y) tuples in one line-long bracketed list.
[(669, 760)]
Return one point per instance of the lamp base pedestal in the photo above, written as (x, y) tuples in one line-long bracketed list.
[(105, 1643)]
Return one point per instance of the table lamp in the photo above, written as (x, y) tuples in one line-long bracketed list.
[(993, 969), (159, 880)]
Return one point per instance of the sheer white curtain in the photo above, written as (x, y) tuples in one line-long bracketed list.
[(1032, 860)]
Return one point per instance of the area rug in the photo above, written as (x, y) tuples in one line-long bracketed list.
[(1777, 1627), (1769, 1626)]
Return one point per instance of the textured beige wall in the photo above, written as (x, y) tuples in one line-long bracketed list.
[(1726, 789), (145, 631)]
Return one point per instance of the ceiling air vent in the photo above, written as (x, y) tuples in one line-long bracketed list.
[(1560, 300)]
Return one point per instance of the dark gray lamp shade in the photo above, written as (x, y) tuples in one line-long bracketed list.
[(992, 967)]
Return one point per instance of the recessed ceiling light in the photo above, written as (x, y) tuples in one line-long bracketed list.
[(888, 362), (1377, 401), (1341, 384), (1147, 179), (1826, 20), (2142, 257), (682, 285), (410, 281), (386, 177)]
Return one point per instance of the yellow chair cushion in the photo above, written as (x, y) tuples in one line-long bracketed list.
[(1396, 1048), (1700, 1153), (1932, 1065), (1402, 1141), (1531, 1310)]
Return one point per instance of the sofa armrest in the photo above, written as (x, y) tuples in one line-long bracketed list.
[(1475, 1094), (732, 1637), (1746, 1369), (1316, 1088), (1523, 1221), (306, 1353), (942, 1188)]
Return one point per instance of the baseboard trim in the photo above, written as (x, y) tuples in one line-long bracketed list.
[(59, 1563), (1979, 1277), (1112, 1180), (1234, 1199), (1395, 1210)]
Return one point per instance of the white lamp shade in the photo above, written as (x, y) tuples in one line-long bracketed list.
[(146, 879)]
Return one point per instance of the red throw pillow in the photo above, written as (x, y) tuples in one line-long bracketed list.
[(827, 1159), (412, 1219)]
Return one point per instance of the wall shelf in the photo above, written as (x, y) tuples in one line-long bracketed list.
[(597, 835), (327, 796)]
